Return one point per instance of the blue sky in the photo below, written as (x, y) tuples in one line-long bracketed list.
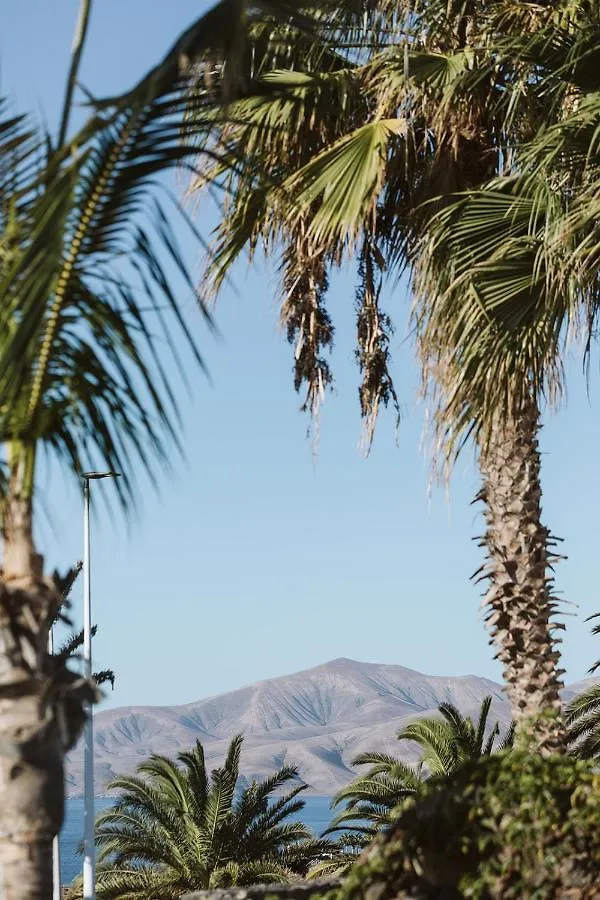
[(257, 559)]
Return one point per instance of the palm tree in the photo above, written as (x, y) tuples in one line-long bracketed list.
[(513, 268), (372, 799), (583, 716), (84, 289), (352, 145), (174, 830)]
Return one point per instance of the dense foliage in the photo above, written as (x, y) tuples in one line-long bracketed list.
[(512, 825)]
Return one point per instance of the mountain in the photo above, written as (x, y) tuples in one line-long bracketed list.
[(319, 719)]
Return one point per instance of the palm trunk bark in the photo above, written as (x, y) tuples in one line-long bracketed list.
[(31, 753), (520, 600), (31, 788)]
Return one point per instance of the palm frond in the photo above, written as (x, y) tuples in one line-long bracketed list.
[(81, 368), (595, 630), (583, 723)]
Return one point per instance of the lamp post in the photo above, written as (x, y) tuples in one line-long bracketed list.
[(89, 849)]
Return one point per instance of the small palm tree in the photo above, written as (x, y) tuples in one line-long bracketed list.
[(372, 798), (174, 830), (583, 716)]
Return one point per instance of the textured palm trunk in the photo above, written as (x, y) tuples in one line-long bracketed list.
[(31, 755), (520, 598)]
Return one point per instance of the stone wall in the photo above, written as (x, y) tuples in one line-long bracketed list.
[(296, 890)]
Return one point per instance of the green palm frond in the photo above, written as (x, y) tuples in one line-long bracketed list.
[(489, 259), (133, 883), (196, 780), (74, 353), (371, 799), (379, 761), (507, 741), (266, 816), (379, 789), (583, 723), (364, 817), (462, 728), (287, 837), (267, 871), (479, 736), (217, 811), (440, 753), (345, 179), (595, 630)]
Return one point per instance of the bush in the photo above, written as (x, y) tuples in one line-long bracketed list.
[(513, 825)]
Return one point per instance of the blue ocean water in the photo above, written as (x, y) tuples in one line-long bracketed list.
[(316, 814)]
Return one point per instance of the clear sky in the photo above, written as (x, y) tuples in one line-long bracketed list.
[(256, 560)]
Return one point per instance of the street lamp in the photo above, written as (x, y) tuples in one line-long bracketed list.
[(89, 849)]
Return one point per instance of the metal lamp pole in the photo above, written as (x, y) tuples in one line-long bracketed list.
[(56, 887), (89, 849)]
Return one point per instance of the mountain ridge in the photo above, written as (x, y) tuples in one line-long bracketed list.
[(319, 718)]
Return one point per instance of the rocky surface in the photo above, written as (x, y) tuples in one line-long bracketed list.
[(297, 890), (319, 719)]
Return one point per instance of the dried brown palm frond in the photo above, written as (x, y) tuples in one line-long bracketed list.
[(305, 319), (373, 332)]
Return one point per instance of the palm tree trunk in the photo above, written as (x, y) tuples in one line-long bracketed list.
[(31, 787), (520, 598), (31, 755), (20, 562)]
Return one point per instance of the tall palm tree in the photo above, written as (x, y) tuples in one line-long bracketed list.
[(447, 740), (174, 830), (351, 149), (513, 268), (84, 242)]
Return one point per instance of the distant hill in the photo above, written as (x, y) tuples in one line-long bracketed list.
[(319, 719)]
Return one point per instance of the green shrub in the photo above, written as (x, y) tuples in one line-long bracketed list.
[(514, 825)]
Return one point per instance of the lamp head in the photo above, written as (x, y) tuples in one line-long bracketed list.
[(91, 476)]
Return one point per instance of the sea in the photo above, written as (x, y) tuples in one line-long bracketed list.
[(316, 814)]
